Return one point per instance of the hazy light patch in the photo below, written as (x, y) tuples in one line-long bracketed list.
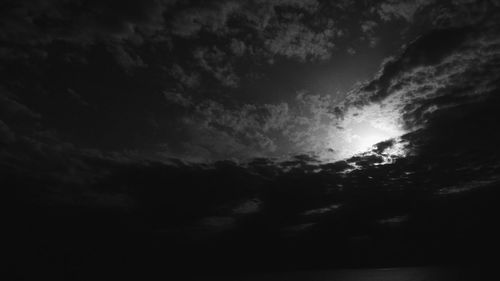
[(395, 151), (362, 128), (353, 167)]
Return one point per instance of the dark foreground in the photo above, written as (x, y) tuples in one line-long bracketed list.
[(378, 274)]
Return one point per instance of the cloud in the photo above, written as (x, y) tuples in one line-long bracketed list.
[(308, 124), (307, 5), (412, 86), (16, 116), (295, 40), (368, 29), (277, 117), (187, 80), (406, 10), (33, 25), (229, 133), (13, 53), (251, 130), (368, 26), (394, 220), (459, 13), (177, 98), (467, 186), (322, 211), (117, 20), (248, 207), (427, 50), (267, 125), (126, 59), (6, 135), (218, 222), (40, 153), (295, 229), (212, 17), (13, 110), (443, 87), (215, 61), (81, 22), (275, 30), (438, 70), (238, 47), (77, 97)]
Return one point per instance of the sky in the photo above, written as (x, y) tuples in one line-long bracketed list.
[(277, 132), (200, 80)]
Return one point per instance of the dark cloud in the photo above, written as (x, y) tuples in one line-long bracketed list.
[(177, 99), (393, 221), (263, 184), (238, 47), (125, 59), (6, 135), (228, 204), (248, 207), (422, 70), (245, 131), (213, 17), (13, 110), (215, 61), (187, 80), (35, 24), (43, 21), (297, 41), (401, 9), (77, 97), (427, 50)]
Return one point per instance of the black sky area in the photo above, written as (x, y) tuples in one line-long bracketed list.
[(244, 140)]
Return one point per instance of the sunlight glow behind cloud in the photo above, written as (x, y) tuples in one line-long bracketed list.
[(364, 127)]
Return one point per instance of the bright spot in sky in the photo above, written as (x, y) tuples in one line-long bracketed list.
[(365, 134), (362, 128)]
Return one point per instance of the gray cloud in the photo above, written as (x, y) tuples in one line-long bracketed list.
[(413, 84), (295, 40), (212, 17), (406, 9), (81, 21), (251, 130), (125, 58), (215, 61), (177, 99), (187, 80), (77, 97), (248, 207), (238, 47)]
